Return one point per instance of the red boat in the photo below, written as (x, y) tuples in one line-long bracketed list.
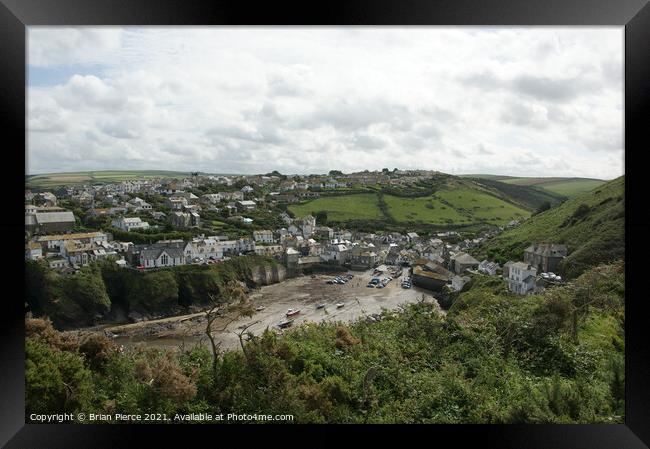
[(292, 312)]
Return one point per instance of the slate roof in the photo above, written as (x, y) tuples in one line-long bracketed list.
[(156, 252), (55, 217)]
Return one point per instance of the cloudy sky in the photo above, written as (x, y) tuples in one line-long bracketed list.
[(542, 101)]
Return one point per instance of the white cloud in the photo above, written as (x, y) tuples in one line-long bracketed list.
[(537, 101), (52, 47)]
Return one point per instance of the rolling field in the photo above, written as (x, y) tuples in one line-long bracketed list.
[(360, 206), (569, 187), (416, 209), (572, 188), (458, 206), (480, 206), (56, 179)]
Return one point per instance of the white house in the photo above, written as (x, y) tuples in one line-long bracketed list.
[(245, 205), (130, 223), (521, 278), (263, 236), (336, 253), (162, 255), (139, 204), (33, 251), (206, 248)]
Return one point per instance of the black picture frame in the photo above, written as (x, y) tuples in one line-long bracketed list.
[(634, 15)]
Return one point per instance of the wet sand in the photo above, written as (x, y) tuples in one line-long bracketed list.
[(302, 293)]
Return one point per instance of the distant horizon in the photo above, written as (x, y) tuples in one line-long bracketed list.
[(312, 173)]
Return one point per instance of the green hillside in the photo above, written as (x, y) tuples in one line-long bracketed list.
[(591, 225), (531, 197), (449, 201), (342, 208), (428, 209), (572, 187), (568, 187)]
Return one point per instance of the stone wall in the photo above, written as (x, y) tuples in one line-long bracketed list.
[(265, 275)]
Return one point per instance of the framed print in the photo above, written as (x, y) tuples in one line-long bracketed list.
[(376, 218)]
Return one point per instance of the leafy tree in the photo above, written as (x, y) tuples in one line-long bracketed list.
[(321, 217), (35, 285), (87, 289), (153, 291), (56, 381)]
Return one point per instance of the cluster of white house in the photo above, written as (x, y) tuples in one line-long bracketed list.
[(539, 259), (301, 244)]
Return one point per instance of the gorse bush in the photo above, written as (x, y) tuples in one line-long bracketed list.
[(556, 357)]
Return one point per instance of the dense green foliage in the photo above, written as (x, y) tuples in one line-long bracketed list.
[(556, 357), (84, 298), (72, 299), (591, 225)]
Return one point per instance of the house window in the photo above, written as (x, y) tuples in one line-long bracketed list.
[(164, 259)]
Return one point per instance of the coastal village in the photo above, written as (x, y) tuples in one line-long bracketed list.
[(55, 232)]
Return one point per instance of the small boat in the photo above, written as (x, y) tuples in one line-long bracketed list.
[(259, 308), (285, 324), (320, 306), (292, 312), (339, 305)]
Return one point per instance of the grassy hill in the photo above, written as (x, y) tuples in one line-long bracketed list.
[(529, 196), (342, 208), (449, 201), (592, 226), (568, 187), (47, 180), (563, 186)]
